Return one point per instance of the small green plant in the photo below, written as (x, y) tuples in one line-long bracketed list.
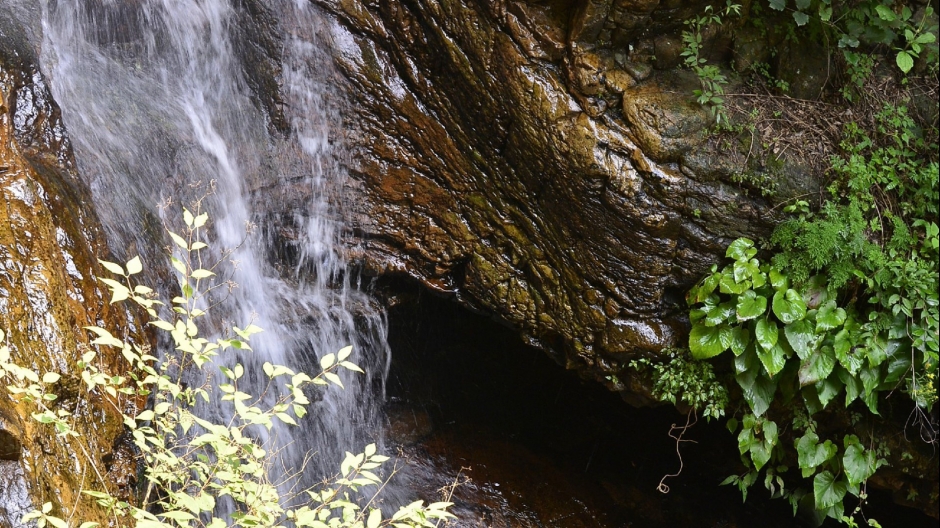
[(710, 77), (682, 380), (191, 464)]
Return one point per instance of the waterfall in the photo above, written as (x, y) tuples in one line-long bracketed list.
[(157, 105)]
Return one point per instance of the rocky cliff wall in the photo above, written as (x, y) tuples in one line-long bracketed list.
[(49, 241)]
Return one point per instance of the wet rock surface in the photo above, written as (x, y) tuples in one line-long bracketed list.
[(514, 155), (49, 241)]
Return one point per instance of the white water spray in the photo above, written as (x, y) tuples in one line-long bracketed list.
[(155, 100)]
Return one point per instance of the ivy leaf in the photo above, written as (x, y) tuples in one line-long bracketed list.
[(876, 349), (746, 269), (773, 359), (707, 286), (746, 369), (739, 249), (853, 385), (779, 281), (760, 455), (709, 341), (829, 316), (828, 490), (859, 463), (828, 389), (848, 358), (750, 305), (715, 315), (812, 454), (898, 366), (760, 394), (740, 338), (766, 333), (789, 306), (817, 367), (801, 337), (728, 285)]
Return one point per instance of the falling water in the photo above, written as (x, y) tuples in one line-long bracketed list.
[(156, 101)]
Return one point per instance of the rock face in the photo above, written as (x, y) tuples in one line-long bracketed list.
[(49, 240), (528, 158)]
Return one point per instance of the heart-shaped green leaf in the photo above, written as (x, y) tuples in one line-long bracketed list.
[(817, 366), (709, 341), (773, 359), (829, 317), (801, 337), (750, 305), (788, 306), (828, 490), (738, 250), (766, 332), (740, 338)]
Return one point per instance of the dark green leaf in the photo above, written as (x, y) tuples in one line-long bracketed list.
[(829, 316), (766, 333), (812, 454), (773, 359), (859, 464), (828, 389), (740, 338), (760, 455), (898, 366), (828, 490), (746, 368), (801, 337), (709, 341), (789, 306), (876, 348), (811, 399), (800, 18), (750, 305), (715, 315), (853, 385), (817, 367), (778, 5), (802, 4), (848, 357), (707, 287), (761, 394)]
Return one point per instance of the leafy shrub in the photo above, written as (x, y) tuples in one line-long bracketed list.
[(846, 310), (192, 464)]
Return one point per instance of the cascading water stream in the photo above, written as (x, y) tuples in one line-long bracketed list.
[(155, 101)]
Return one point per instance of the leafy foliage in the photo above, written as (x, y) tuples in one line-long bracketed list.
[(192, 464), (710, 77), (870, 22), (846, 310), (785, 352), (681, 380)]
